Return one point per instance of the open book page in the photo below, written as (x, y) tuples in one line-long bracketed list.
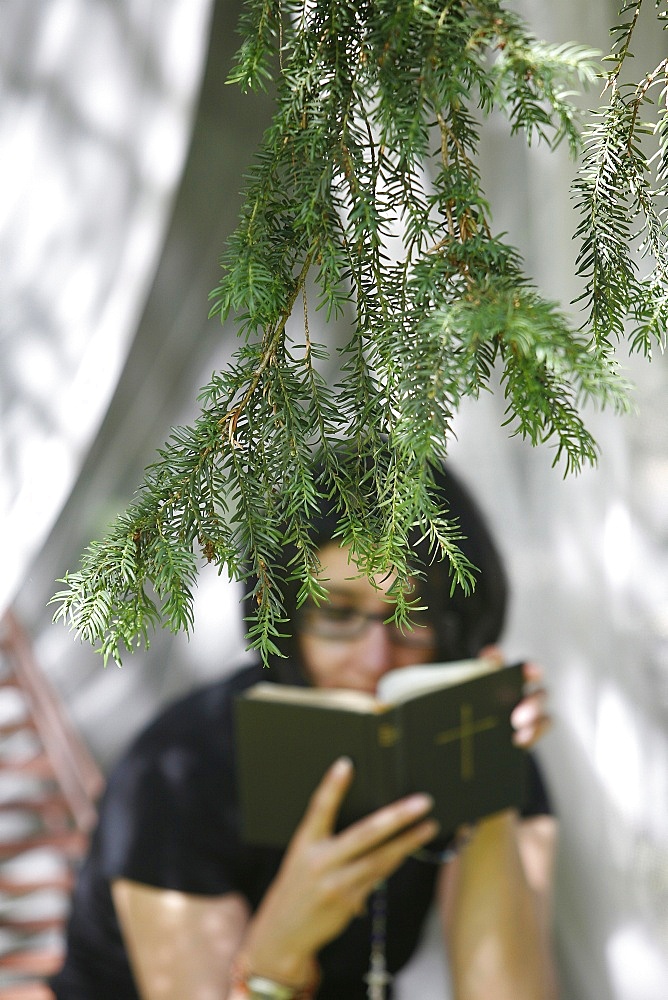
[(354, 701), (394, 687), (408, 682)]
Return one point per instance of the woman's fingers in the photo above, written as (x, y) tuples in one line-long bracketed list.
[(494, 654), (365, 870), (529, 719), (533, 673), (319, 819), (386, 825), (372, 849)]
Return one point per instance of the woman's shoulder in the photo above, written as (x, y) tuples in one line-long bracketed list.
[(189, 744), (170, 801), (199, 714)]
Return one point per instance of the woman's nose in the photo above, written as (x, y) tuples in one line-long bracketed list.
[(376, 650)]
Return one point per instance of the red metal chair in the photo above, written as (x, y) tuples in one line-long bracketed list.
[(49, 787)]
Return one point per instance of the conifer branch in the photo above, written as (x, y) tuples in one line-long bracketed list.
[(368, 182), (228, 423), (624, 244)]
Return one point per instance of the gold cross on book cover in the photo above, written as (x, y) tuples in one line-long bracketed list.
[(443, 729), (465, 733)]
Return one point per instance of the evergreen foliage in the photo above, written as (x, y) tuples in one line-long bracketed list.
[(621, 192), (366, 194)]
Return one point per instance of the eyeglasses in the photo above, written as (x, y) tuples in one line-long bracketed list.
[(346, 623)]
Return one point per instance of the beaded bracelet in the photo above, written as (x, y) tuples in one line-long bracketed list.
[(255, 987), (261, 988)]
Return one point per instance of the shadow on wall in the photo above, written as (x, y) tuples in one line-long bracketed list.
[(175, 350)]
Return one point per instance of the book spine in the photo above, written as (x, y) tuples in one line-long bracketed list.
[(386, 745)]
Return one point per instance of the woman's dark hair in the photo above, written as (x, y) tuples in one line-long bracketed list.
[(463, 623)]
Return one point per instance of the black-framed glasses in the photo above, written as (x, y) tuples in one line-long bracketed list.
[(345, 623)]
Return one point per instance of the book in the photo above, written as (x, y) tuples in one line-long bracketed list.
[(443, 729)]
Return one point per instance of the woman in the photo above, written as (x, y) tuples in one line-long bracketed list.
[(171, 904)]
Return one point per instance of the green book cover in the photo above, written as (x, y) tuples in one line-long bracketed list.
[(446, 731)]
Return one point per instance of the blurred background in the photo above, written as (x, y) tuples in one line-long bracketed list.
[(122, 158)]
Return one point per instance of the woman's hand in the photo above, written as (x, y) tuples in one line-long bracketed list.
[(529, 717), (325, 878)]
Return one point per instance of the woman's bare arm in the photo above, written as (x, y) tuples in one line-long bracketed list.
[(495, 898), (179, 945), (183, 946), (495, 901)]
